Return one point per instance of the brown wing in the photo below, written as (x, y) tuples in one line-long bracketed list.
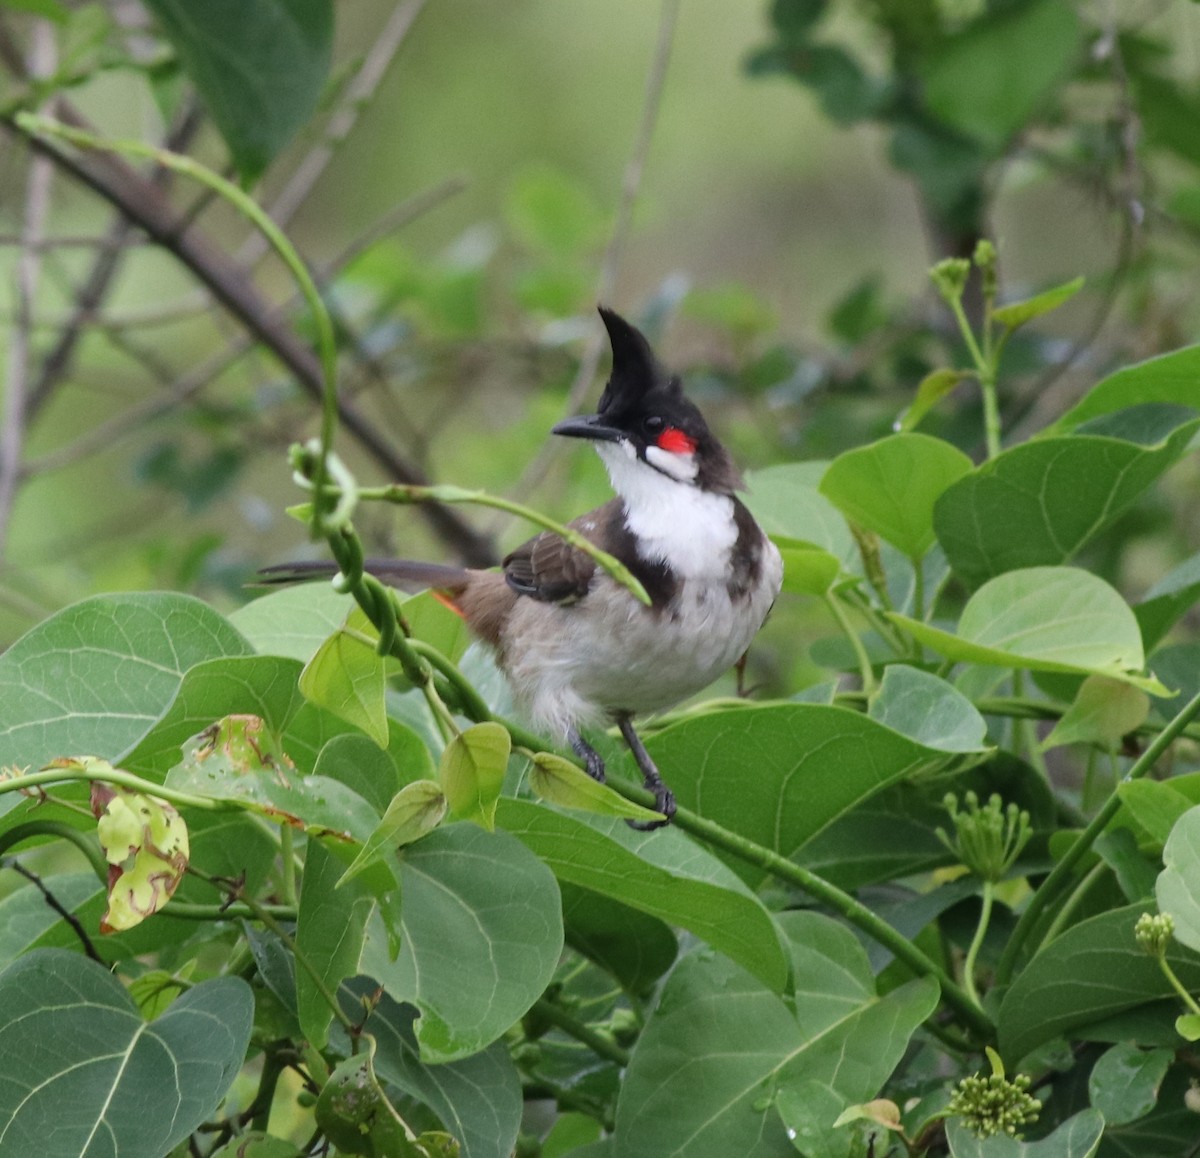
[(547, 568)]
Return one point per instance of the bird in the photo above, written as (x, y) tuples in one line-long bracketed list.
[(578, 649)]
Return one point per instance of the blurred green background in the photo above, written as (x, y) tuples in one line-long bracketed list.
[(777, 253)]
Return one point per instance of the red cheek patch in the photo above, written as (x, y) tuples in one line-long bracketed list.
[(674, 440)]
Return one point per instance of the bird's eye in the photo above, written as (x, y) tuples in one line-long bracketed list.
[(653, 424)]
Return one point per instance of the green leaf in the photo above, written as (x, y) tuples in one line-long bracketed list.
[(25, 917), (1041, 501), (347, 677), (1103, 712), (786, 502), (293, 621), (477, 1099), (256, 1144), (931, 390), (365, 768), (1057, 619), (1089, 972), (1169, 378), (237, 759), (1018, 313), (417, 809), (330, 928), (71, 1037), (1178, 888), (781, 774), (1077, 1137), (890, 487), (96, 676), (1175, 593), (989, 80), (928, 710), (807, 570), (472, 772), (719, 1042), (1155, 804), (253, 685), (259, 66), (1125, 1081), (636, 948), (682, 888), (481, 936), (555, 779)]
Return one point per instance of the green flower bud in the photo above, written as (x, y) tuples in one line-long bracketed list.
[(986, 839), (1153, 932), (994, 1104), (949, 277)]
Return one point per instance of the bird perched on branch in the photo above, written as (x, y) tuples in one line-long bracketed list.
[(576, 646)]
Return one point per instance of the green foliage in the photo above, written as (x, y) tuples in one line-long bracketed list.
[(403, 927)]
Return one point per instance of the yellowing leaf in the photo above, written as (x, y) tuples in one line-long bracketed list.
[(146, 844)]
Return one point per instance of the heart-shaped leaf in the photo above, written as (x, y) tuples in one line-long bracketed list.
[(1056, 619), (72, 1039), (557, 780), (472, 772), (347, 677)]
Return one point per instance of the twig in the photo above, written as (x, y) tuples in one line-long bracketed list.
[(57, 906), (123, 186), (589, 362), (99, 280), (357, 96), (33, 228), (180, 390)]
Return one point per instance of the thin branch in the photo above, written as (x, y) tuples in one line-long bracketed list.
[(71, 919), (357, 96), (33, 230), (182, 389), (99, 280), (589, 362), (126, 188)]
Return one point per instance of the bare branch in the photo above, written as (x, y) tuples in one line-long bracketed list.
[(126, 188), (33, 229)]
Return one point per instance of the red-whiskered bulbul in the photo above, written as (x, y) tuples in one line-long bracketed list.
[(578, 647)]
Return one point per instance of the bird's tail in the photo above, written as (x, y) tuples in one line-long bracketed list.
[(407, 574)]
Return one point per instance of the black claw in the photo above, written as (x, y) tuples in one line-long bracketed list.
[(592, 760), (664, 798)]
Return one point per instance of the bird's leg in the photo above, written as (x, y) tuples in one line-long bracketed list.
[(590, 757), (664, 798)]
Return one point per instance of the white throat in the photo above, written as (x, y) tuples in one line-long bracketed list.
[(674, 521)]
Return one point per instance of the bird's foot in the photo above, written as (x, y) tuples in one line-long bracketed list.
[(664, 798), (592, 760)]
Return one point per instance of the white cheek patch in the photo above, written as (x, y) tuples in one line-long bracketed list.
[(678, 466)]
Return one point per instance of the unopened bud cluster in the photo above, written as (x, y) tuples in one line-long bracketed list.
[(1153, 932), (994, 1104), (987, 839)]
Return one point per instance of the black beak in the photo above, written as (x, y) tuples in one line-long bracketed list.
[(591, 426)]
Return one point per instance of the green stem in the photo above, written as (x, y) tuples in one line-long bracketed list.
[(80, 839), (597, 1042), (1178, 986), (864, 663), (985, 918), (109, 775), (35, 125), (1071, 905), (288, 856), (1058, 877), (403, 494), (471, 702), (189, 911)]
